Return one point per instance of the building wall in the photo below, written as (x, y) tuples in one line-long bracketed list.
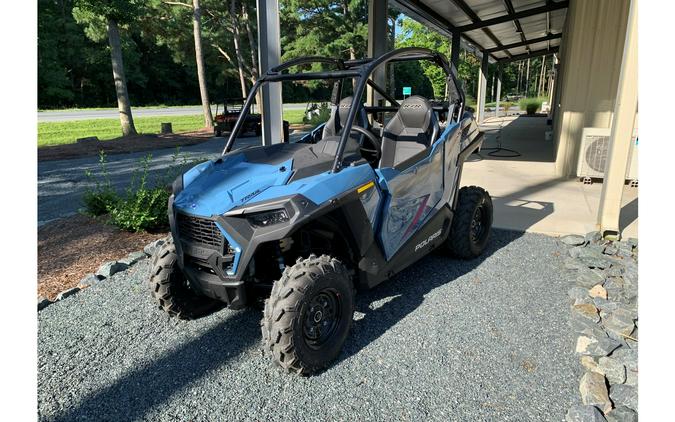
[(590, 61)]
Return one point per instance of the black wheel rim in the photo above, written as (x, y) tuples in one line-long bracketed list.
[(322, 317), (479, 224)]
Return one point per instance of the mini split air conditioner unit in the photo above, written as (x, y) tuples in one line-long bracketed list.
[(593, 155)]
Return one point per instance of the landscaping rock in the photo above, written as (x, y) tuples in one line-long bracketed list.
[(586, 311), (594, 346), (593, 237), (66, 293), (584, 414), (109, 268), (619, 322), (615, 270), (627, 357), (625, 395), (614, 287), (625, 250), (622, 414), (573, 265), (589, 363), (594, 391), (598, 291), (152, 247), (43, 302), (605, 305), (599, 262), (577, 293), (575, 252), (573, 240), (613, 370), (133, 258), (587, 328), (89, 280), (631, 378), (611, 249), (590, 278)]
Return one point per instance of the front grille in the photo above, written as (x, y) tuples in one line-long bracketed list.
[(199, 230)]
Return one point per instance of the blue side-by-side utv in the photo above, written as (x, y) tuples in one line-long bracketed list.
[(302, 226)]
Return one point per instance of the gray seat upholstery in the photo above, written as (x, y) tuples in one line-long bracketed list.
[(338, 116), (412, 130), (333, 128)]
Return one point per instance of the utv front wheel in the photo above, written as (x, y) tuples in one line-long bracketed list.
[(171, 289), (308, 315), (471, 223)]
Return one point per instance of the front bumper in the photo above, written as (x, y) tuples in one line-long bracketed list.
[(207, 258)]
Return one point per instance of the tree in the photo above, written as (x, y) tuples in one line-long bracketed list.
[(414, 34), (199, 57), (96, 15)]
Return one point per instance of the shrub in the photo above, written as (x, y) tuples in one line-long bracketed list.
[(142, 207), (530, 105), (144, 203), (102, 196), (321, 115)]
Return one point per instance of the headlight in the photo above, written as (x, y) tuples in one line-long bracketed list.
[(267, 218)]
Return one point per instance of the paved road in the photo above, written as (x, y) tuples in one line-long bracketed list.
[(62, 183), (113, 113), (444, 340)]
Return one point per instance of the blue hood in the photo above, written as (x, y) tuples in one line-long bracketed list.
[(215, 187)]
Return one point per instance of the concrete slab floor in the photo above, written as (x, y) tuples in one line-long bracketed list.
[(526, 194)]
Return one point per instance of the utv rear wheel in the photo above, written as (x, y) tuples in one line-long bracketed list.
[(308, 315), (172, 291), (471, 223)]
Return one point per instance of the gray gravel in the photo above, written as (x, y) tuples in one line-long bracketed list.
[(444, 340)]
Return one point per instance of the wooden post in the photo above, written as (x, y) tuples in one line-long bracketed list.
[(166, 128)]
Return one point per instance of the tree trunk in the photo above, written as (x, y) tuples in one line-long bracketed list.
[(540, 86), (123, 104), (255, 70), (527, 79), (199, 56), (236, 39)]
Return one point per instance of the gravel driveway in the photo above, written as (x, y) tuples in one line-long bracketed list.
[(444, 340)]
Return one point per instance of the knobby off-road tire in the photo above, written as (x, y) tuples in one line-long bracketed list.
[(471, 223), (171, 289), (308, 315)]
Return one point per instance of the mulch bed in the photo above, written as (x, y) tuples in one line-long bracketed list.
[(123, 145), (70, 248)]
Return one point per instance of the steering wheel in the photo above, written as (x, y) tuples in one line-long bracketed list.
[(376, 146)]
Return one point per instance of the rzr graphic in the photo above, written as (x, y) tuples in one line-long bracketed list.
[(302, 225)]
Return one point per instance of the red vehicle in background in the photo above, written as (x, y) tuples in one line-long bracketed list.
[(225, 120)]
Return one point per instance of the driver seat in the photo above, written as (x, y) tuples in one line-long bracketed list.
[(412, 130), (333, 127)]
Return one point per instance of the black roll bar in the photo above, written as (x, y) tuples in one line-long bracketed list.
[(361, 69)]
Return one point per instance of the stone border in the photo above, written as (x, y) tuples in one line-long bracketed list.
[(104, 272), (604, 318)]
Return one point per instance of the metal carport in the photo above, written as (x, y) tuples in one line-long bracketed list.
[(501, 31)]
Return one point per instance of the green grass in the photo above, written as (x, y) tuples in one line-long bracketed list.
[(294, 116), (114, 106), (59, 133)]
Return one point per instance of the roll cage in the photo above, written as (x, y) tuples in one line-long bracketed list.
[(361, 69)]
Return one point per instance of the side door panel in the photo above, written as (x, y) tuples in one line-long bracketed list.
[(411, 196)]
